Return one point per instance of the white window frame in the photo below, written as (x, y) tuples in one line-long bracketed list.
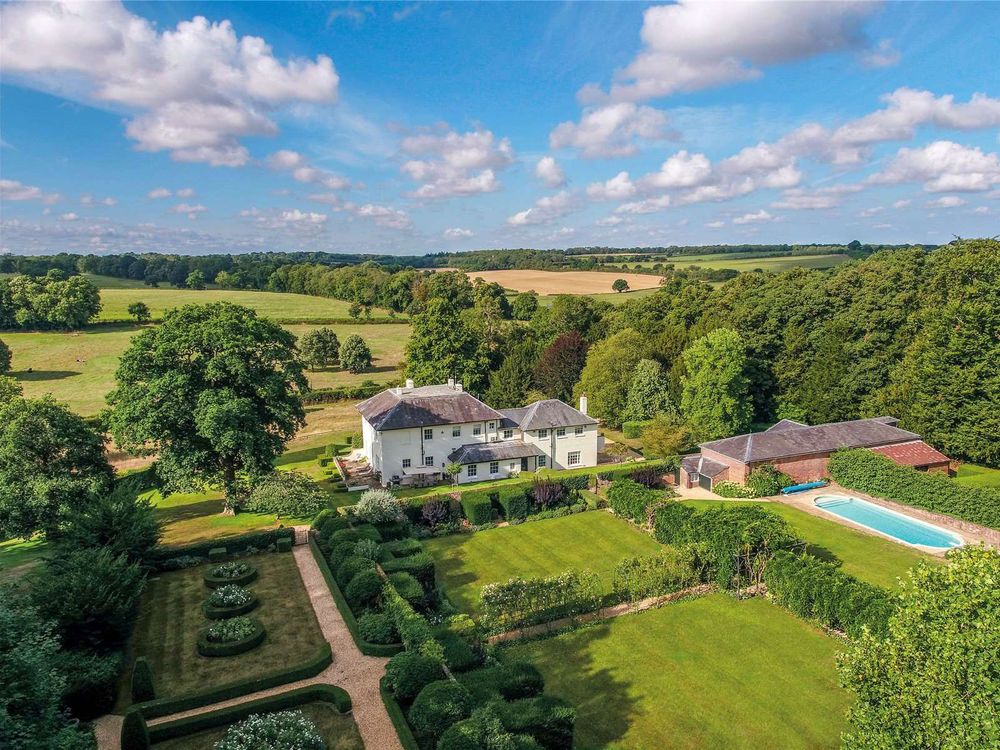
[(456, 432), (513, 466), (493, 425), (573, 458), (494, 467), (428, 433), (560, 432), (406, 463), (471, 470), (542, 460), (578, 430), (428, 460), (508, 434), (477, 430), (543, 433)]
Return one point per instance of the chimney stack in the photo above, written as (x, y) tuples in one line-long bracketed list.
[(458, 387), (583, 402), (451, 383), (409, 382)]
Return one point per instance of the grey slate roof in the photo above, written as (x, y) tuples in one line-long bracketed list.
[(792, 440), (547, 414), (697, 463), (479, 452), (400, 408)]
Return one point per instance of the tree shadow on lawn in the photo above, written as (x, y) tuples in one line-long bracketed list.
[(179, 513), (42, 375), (822, 553)]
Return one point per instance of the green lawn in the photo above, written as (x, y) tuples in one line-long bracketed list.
[(17, 556), (870, 558), (594, 541), (711, 672), (339, 731), (170, 617), (978, 476), (78, 367)]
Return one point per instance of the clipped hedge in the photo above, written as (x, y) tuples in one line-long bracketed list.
[(403, 547), (257, 540), (142, 681), (214, 581), (408, 673), (439, 705), (514, 502), (639, 469), (631, 500), (414, 630), (549, 720), (224, 613), (409, 588), (134, 733), (397, 717), (510, 681), (878, 475), (232, 648), (819, 590), (420, 566), (477, 507)]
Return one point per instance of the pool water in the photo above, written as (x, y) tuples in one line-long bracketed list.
[(888, 522)]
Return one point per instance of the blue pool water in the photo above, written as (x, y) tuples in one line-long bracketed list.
[(888, 522)]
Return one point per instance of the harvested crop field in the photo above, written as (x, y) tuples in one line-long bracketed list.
[(565, 282)]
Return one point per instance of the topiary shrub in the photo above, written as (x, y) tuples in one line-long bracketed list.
[(142, 681), (459, 655), (364, 590), (328, 522), (420, 566), (549, 720), (341, 551), (409, 588), (378, 627), (409, 672), (237, 572), (515, 504), (135, 735), (367, 548), (282, 730), (477, 507), (630, 500), (439, 705), (378, 506), (351, 567), (217, 554), (229, 601), (284, 545), (509, 681)]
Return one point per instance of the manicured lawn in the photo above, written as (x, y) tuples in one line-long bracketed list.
[(170, 617), (594, 541), (339, 731), (17, 556), (978, 476), (711, 672), (865, 556)]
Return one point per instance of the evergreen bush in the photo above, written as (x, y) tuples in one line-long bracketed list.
[(142, 681), (364, 590), (439, 705), (409, 672), (378, 627), (477, 507)]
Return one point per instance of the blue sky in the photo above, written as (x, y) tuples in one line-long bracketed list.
[(420, 127)]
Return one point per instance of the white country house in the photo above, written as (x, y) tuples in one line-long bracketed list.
[(412, 435)]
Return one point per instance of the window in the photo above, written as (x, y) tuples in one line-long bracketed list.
[(428, 460), (493, 425), (578, 430), (494, 467), (406, 463), (494, 439), (477, 429), (573, 458), (428, 433), (512, 466), (543, 433), (694, 476), (471, 470), (456, 432), (541, 462), (561, 432), (508, 434)]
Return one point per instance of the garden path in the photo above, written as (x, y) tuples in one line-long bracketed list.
[(351, 670)]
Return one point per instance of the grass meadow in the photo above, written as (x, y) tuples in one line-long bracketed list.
[(734, 261), (594, 541), (708, 672)]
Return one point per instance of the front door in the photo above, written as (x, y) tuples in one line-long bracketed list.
[(524, 464)]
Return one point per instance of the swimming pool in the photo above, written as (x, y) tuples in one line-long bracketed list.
[(888, 522)]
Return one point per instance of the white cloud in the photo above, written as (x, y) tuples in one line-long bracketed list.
[(158, 193), (88, 200), (610, 221), (192, 210), (12, 190), (647, 206), (694, 45), (982, 210), (820, 198), (715, 224), (681, 170), (455, 164), (196, 89), (457, 233), (873, 211), (185, 193), (901, 204), (301, 171), (68, 217), (611, 130), (942, 166), (545, 210), (618, 187), (550, 173), (405, 12), (754, 218), (946, 201), (384, 216), (882, 56)]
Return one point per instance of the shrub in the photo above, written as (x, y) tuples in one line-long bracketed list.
[(378, 627), (367, 548), (233, 569), (648, 476), (526, 601), (356, 534), (231, 631), (515, 504), (135, 735), (477, 507), (637, 578), (435, 511), (142, 681), (549, 720), (287, 493), (669, 522), (439, 705), (282, 730), (576, 483), (878, 475), (547, 493), (509, 681), (731, 489), (351, 567), (231, 595), (217, 554), (420, 566), (409, 672), (91, 682), (459, 655), (284, 545), (414, 630), (409, 588), (403, 547), (329, 522), (342, 551), (118, 520), (633, 430), (630, 500), (364, 590), (378, 506), (766, 480)]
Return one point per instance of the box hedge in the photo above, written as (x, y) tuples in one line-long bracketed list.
[(420, 566), (439, 705), (515, 503), (548, 719), (409, 588), (509, 681), (142, 681), (159, 557), (409, 672), (135, 733), (477, 507)]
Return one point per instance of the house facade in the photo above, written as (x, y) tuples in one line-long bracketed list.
[(412, 434), (803, 451)]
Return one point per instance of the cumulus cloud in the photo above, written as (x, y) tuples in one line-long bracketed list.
[(618, 187), (550, 173), (882, 56), (647, 206), (820, 198), (946, 201), (196, 89), (715, 224), (901, 204), (457, 233), (185, 193), (756, 217), (12, 190), (88, 200), (942, 166), (611, 130), (191, 209), (68, 217), (455, 164), (385, 216), (301, 171), (158, 193), (981, 210), (545, 210)]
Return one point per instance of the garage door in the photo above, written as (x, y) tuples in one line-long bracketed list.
[(705, 482)]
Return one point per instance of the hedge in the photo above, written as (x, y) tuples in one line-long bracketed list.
[(409, 588), (420, 566), (878, 475), (134, 733), (819, 590), (406, 738), (408, 673), (414, 630), (345, 392), (631, 500), (165, 706), (369, 649), (142, 681), (514, 502), (477, 507), (232, 648), (223, 613), (403, 547), (632, 470), (634, 430), (200, 722), (214, 582), (510, 681), (548, 719), (259, 540)]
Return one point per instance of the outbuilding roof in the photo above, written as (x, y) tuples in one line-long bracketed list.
[(546, 414), (914, 453), (401, 408), (479, 452), (698, 464), (789, 438)]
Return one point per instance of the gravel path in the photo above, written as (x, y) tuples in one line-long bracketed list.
[(351, 670)]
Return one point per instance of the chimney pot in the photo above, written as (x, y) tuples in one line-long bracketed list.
[(451, 383), (458, 387), (409, 382), (583, 403)]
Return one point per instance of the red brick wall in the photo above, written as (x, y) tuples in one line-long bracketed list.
[(737, 471), (802, 468)]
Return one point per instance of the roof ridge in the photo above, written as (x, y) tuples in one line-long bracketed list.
[(746, 452)]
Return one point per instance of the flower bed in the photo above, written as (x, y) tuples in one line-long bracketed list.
[(236, 572), (231, 637), (228, 601)]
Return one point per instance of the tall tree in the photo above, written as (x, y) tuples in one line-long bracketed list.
[(320, 348), (716, 391), (5, 358), (213, 390), (524, 305), (666, 435), (195, 279), (933, 681), (512, 381), (648, 392), (355, 356), (442, 346), (560, 365), (51, 463), (605, 378)]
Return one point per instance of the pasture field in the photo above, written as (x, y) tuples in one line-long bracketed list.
[(706, 672), (866, 556), (733, 261), (594, 541), (565, 282), (78, 367)]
